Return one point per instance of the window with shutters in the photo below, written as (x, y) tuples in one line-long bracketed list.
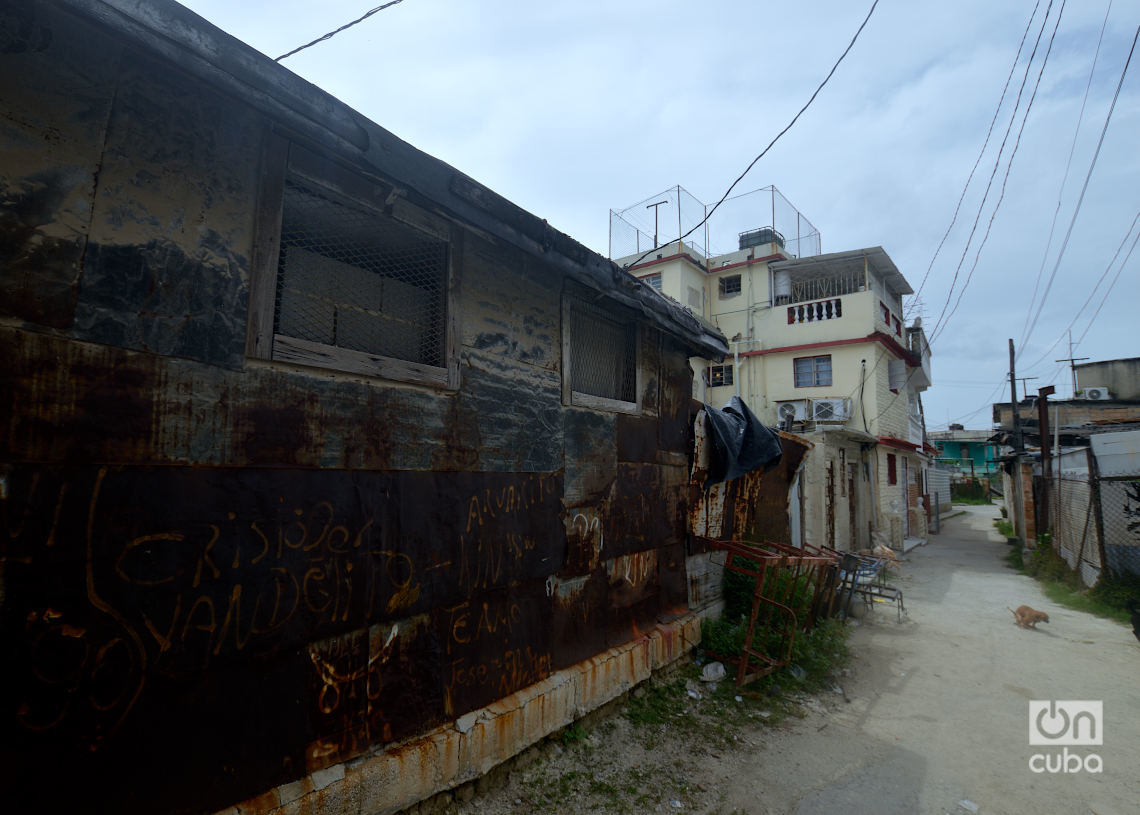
[(892, 469)]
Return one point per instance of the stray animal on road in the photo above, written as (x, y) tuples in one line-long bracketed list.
[(1027, 617)]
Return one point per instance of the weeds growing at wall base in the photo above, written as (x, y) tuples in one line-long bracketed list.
[(1061, 584)]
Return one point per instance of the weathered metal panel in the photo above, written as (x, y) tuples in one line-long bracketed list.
[(136, 592), (760, 500), (243, 571), (53, 138), (166, 268), (677, 409)]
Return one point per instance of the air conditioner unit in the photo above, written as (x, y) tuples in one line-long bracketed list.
[(1097, 393), (829, 410), (796, 409)]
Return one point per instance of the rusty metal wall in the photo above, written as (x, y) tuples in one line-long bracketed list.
[(217, 575)]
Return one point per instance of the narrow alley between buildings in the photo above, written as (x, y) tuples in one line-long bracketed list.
[(931, 716)]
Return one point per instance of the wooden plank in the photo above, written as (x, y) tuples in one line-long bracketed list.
[(305, 352), (266, 248), (451, 307)]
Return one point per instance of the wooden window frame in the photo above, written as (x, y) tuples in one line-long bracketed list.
[(589, 400), (726, 368), (281, 159), (722, 286), (892, 469), (814, 377)]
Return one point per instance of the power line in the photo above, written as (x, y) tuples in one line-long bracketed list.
[(1093, 291), (1084, 187), (985, 144), (332, 34), (1104, 299), (1065, 176), (1005, 178), (993, 172), (763, 152)]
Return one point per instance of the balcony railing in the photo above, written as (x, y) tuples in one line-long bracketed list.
[(815, 312)]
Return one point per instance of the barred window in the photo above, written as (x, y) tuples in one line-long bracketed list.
[(730, 286), (811, 372), (602, 358), (348, 274), (359, 280), (719, 375)]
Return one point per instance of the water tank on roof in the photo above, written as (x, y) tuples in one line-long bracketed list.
[(782, 288), (761, 236)]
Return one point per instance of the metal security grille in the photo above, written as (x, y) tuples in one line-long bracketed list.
[(359, 280), (603, 354)]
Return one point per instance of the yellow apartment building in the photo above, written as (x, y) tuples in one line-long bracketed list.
[(820, 348)]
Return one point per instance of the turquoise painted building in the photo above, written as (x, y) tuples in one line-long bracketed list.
[(969, 451)]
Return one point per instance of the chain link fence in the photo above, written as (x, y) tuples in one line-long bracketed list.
[(1120, 509), (360, 280), (1095, 521), (763, 216)]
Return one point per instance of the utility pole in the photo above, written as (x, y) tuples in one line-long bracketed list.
[(654, 208), (1072, 362), (1023, 380), (1043, 395), (1018, 447), (1018, 451)]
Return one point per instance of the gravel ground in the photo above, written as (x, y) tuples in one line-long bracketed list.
[(931, 716)]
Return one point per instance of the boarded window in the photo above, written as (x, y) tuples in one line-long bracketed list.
[(730, 285), (892, 469), (718, 375), (603, 353), (359, 280), (812, 372)]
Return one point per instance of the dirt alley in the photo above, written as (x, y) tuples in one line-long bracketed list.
[(934, 716)]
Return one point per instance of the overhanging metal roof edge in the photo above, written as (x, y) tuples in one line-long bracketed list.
[(195, 45)]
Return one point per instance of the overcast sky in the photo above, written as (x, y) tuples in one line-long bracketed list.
[(573, 109)]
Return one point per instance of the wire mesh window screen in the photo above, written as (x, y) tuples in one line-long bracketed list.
[(359, 280), (603, 354)]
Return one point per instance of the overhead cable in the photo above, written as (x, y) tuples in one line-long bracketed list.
[(1065, 177), (333, 33), (985, 144), (795, 118), (1084, 187)]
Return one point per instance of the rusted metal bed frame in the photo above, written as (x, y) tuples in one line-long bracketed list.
[(760, 560)]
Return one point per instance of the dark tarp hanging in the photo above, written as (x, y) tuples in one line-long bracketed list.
[(740, 443)]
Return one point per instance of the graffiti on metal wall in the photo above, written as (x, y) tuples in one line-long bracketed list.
[(117, 574)]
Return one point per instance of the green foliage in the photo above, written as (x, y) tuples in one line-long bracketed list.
[(572, 735), (1043, 562), (1014, 558), (970, 491), (1004, 528), (1109, 598), (1117, 591)]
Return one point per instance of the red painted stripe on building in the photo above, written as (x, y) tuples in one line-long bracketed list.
[(891, 441), (874, 336)]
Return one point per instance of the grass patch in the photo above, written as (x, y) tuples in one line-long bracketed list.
[(1109, 598), (973, 500), (1004, 527)]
